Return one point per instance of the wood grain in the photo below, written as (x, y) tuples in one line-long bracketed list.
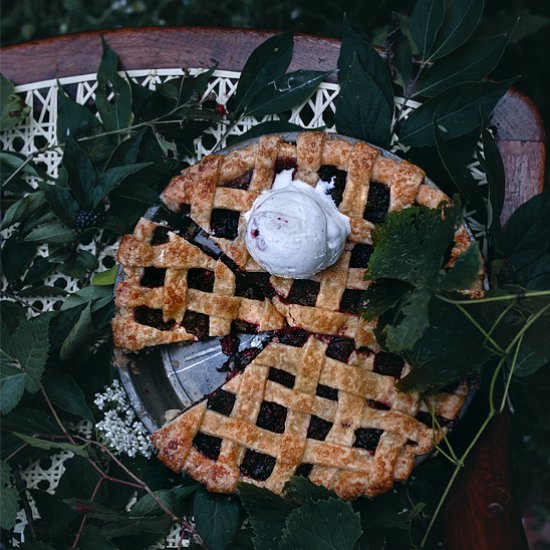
[(481, 511)]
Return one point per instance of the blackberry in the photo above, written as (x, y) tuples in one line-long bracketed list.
[(86, 218)]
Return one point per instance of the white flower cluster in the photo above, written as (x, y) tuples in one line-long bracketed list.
[(120, 428)]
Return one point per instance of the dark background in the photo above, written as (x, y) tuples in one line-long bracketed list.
[(528, 55)]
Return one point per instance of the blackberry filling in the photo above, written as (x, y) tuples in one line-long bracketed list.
[(200, 279), (208, 445), (318, 428), (246, 357), (378, 202), (367, 438), (340, 348), (258, 466), (272, 417), (197, 324), (352, 300), (285, 163), (160, 235), (173, 220), (255, 286), (326, 173), (221, 401), (225, 223), (378, 405), (152, 317), (242, 182), (360, 255), (304, 470), (303, 292), (230, 344), (327, 392), (291, 336), (153, 277), (243, 326), (281, 377), (388, 364)]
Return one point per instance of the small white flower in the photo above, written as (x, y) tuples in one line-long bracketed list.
[(120, 428)]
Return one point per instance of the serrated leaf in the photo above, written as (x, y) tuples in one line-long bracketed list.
[(461, 20), (79, 450), (81, 175), (12, 384), (112, 178), (369, 59), (381, 296), (300, 489), (323, 525), (105, 278), (461, 176), (361, 108), (216, 518), (426, 20), (267, 515), (9, 499), (52, 233), (116, 109), (73, 119), (455, 111), (266, 63), (169, 497), (285, 92), (78, 335), (65, 393), (464, 273), (470, 63)]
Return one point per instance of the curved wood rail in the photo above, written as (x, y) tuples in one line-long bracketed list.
[(481, 512)]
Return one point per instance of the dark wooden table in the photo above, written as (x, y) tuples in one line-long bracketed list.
[(481, 512)]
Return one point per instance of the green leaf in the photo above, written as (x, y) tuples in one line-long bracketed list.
[(54, 512), (266, 63), (300, 489), (285, 92), (461, 20), (79, 450), (52, 233), (9, 499), (369, 59), (79, 264), (127, 151), (402, 59), (97, 295), (461, 176), (112, 178), (534, 352), (78, 335), (16, 257), (105, 278), (267, 515), (471, 62), (115, 111), (13, 109), (81, 176), (40, 268), (361, 108), (60, 198), (464, 273), (216, 518), (43, 290), (12, 384), (73, 119), (426, 20), (383, 295), (171, 498), (29, 346), (65, 393), (413, 321), (455, 111), (324, 525), (22, 208)]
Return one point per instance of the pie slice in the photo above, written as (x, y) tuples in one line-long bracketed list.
[(296, 410)]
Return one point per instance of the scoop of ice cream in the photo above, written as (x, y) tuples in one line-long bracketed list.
[(295, 230)]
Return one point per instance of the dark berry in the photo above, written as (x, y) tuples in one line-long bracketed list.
[(367, 438), (220, 109), (258, 466), (318, 428), (378, 202), (388, 364), (255, 286), (281, 377), (352, 300), (291, 336), (86, 218), (340, 348), (272, 417), (197, 324), (200, 279), (303, 292), (230, 344)]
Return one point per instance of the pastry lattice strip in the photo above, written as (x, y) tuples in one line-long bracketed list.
[(294, 407), (156, 304)]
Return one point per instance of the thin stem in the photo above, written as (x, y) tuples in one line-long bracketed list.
[(20, 448), (15, 298), (510, 374), (487, 335), (83, 521), (523, 296)]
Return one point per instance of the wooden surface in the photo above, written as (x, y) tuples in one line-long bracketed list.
[(481, 511)]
